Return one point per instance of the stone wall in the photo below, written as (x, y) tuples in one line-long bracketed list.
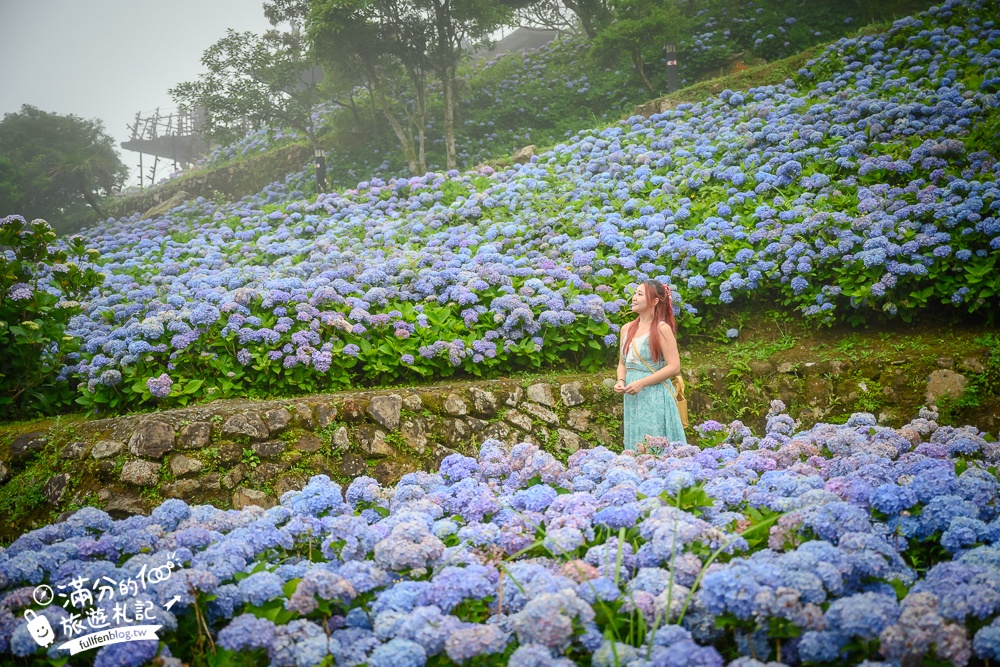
[(231, 453), (231, 182)]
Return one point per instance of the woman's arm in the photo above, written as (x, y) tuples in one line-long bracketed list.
[(672, 357), (620, 371)]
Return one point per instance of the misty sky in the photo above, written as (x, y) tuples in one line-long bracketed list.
[(108, 59)]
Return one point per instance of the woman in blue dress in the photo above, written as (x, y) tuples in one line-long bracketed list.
[(647, 360)]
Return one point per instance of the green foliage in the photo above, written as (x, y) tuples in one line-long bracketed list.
[(253, 80), (40, 289), (250, 458), (55, 166)]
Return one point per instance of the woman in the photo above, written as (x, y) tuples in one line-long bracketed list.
[(647, 360)]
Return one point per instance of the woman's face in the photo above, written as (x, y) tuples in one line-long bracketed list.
[(639, 302)]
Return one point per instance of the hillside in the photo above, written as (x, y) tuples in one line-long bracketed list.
[(535, 97), (419, 460), (858, 190)]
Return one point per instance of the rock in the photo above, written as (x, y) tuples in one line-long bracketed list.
[(245, 425), (385, 410), (568, 440), (945, 383), (270, 449), (125, 504), (604, 436), (518, 419), (75, 450), (455, 431), (266, 472), (165, 207), (514, 397), (104, 449), (289, 482), (25, 446), (182, 466), (372, 441), (55, 488), (476, 425), (497, 430), (455, 406), (761, 367), (152, 440), (547, 416), (785, 367), (277, 420), (412, 402), (303, 416), (354, 410), (4, 473), (578, 420), (484, 402), (234, 477), (945, 362), (244, 497), (654, 107), (973, 365), (105, 470), (524, 155), (352, 465), (308, 443), (141, 473), (389, 472), (608, 383), (195, 435), (414, 432), (326, 413), (340, 439), (541, 392), (571, 394), (211, 482), (63, 516), (230, 453), (817, 391), (184, 489)]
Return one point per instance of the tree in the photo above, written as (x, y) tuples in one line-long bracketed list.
[(455, 25), (386, 41), (594, 15), (56, 166), (252, 80), (641, 25)]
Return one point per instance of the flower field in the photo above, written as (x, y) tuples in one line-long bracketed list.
[(860, 190), (835, 545)]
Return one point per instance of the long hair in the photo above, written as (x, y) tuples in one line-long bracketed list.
[(662, 312)]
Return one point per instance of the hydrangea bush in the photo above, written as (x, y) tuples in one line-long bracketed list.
[(858, 190), (41, 288), (832, 545)]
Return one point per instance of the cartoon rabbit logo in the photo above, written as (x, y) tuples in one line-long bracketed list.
[(39, 628)]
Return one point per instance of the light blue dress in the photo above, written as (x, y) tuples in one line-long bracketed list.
[(653, 411)]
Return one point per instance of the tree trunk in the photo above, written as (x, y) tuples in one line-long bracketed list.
[(451, 154), (585, 16), (446, 68), (640, 69), (94, 203), (405, 141), (371, 106)]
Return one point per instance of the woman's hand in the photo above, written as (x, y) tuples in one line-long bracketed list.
[(634, 388), (620, 387)]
